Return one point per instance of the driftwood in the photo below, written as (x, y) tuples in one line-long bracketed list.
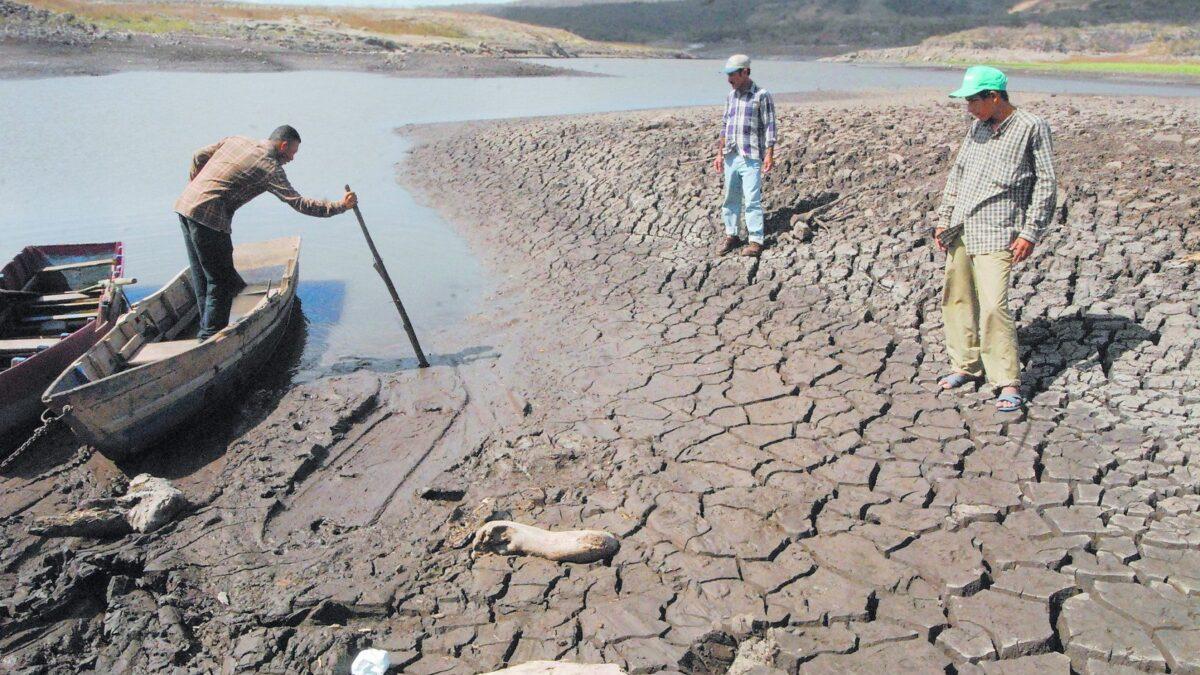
[(149, 504), (579, 546)]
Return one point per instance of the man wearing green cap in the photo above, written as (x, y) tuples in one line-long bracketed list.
[(998, 200)]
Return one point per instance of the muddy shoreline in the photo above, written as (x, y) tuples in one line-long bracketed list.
[(26, 59), (36, 43), (764, 437)]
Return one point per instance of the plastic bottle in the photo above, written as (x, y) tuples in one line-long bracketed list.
[(370, 662)]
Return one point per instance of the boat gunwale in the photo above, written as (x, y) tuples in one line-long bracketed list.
[(288, 281)]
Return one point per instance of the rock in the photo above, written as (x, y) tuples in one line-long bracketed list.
[(148, 504), (152, 502)]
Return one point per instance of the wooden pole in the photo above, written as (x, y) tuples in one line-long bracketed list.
[(387, 280)]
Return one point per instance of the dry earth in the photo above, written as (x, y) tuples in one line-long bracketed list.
[(764, 436), (1148, 44)]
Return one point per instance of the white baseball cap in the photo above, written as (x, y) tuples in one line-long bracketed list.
[(736, 63)]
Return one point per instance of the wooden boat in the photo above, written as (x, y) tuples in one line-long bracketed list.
[(54, 305), (149, 374)]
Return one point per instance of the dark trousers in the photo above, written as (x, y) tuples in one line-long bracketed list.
[(214, 279)]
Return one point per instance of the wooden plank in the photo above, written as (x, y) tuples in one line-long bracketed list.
[(27, 344), (77, 265), (157, 351), (83, 302), (64, 297), (78, 316)]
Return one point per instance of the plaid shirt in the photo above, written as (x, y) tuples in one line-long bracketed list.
[(749, 122), (1002, 184), (231, 172)]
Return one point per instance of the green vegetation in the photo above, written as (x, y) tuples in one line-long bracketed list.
[(1116, 67), (404, 27), (142, 23)]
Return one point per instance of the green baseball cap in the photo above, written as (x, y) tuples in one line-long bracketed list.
[(981, 78)]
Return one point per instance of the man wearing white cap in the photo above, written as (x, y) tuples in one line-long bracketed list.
[(745, 152), (999, 198)]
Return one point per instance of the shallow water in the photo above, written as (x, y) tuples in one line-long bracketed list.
[(102, 158)]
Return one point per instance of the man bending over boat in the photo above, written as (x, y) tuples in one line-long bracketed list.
[(224, 176)]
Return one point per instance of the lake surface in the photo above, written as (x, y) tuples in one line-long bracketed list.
[(103, 158)]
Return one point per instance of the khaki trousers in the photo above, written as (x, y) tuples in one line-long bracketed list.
[(980, 334)]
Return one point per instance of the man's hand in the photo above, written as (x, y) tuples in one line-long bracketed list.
[(937, 239), (1021, 249), (719, 163), (768, 162), (349, 201)]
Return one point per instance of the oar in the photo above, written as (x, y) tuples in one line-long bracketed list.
[(387, 280)]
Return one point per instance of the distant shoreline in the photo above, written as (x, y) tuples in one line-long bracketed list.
[(98, 39)]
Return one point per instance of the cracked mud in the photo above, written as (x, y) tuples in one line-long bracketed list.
[(764, 437)]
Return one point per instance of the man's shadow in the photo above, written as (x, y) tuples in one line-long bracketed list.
[(1051, 346), (779, 220)]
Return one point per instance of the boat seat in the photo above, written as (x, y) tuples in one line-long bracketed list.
[(157, 351), (27, 345), (243, 304), (77, 265)]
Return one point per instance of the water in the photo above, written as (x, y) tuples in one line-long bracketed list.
[(103, 158)]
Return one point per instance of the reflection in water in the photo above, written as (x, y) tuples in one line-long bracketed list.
[(324, 301), (375, 365)]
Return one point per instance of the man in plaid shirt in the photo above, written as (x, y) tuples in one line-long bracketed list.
[(999, 198), (224, 176), (745, 152)]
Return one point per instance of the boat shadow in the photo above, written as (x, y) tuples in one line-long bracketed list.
[(207, 437)]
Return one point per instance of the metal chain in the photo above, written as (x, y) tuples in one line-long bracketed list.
[(48, 422)]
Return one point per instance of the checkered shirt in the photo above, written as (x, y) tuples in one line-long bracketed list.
[(231, 172), (1002, 184), (749, 122)]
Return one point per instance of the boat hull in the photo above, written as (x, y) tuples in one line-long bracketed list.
[(21, 386), (124, 412)]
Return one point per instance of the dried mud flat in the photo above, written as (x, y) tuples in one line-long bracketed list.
[(763, 436)]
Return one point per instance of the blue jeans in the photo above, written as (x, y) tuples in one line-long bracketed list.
[(743, 188), (214, 279)]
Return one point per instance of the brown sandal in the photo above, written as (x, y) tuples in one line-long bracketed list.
[(728, 244), (752, 250)]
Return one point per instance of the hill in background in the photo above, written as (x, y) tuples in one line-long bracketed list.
[(798, 26)]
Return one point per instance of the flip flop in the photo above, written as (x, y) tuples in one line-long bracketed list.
[(955, 380), (1014, 402)]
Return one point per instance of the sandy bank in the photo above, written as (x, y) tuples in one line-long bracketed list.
[(763, 436)]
